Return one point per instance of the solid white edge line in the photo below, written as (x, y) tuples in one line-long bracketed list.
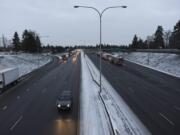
[(14, 125), (162, 115)]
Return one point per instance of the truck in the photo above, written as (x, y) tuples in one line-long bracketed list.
[(8, 76), (106, 56), (116, 60)]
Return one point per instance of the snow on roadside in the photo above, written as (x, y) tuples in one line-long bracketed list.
[(24, 61), (93, 119), (124, 121), (163, 62)]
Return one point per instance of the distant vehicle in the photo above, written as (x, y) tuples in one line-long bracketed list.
[(73, 53), (8, 76), (64, 101), (116, 60), (106, 56)]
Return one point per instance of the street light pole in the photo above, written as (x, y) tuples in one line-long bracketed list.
[(100, 60), (100, 34)]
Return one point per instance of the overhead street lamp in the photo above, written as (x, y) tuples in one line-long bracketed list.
[(100, 36)]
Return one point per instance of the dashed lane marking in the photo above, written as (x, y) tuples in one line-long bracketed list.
[(162, 115), (15, 124)]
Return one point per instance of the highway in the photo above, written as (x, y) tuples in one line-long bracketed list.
[(29, 108), (153, 96)]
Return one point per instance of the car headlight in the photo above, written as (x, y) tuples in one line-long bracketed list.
[(68, 105), (59, 105)]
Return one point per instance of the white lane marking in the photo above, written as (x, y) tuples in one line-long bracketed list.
[(18, 97), (4, 108), (44, 90), (17, 121), (27, 90), (177, 108), (162, 115)]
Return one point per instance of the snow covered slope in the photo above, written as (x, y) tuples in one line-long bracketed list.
[(164, 62), (25, 62)]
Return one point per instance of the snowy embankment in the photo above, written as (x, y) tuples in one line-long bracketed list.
[(94, 119), (24, 61), (163, 62)]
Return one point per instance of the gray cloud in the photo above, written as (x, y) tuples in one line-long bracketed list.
[(66, 25)]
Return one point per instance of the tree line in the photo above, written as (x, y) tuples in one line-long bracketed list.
[(54, 49), (30, 42), (160, 39)]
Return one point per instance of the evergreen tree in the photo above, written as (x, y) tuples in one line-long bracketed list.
[(31, 42), (158, 40), (134, 42), (16, 42), (38, 43), (24, 40), (140, 44), (175, 37)]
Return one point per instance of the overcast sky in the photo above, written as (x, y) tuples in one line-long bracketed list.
[(65, 25)]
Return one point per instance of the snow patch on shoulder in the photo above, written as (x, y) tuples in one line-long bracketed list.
[(163, 62), (24, 61)]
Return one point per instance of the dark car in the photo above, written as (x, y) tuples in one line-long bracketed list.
[(64, 101)]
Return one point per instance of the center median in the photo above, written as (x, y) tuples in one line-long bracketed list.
[(122, 119)]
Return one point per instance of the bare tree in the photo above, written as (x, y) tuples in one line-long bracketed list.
[(167, 35)]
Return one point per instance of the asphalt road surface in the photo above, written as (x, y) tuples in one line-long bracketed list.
[(30, 107), (153, 96)]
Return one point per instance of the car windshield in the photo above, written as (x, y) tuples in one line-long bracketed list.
[(63, 98)]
